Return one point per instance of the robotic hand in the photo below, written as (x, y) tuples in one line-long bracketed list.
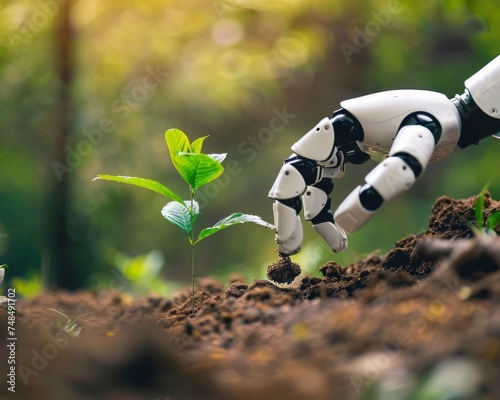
[(408, 129)]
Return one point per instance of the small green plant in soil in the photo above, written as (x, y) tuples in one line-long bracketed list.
[(197, 169), (70, 327), (485, 226)]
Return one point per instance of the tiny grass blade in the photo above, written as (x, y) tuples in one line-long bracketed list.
[(479, 206), (180, 216), (478, 209), (144, 183), (198, 169), (233, 219), (494, 220)]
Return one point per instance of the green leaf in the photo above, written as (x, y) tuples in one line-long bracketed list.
[(179, 215), (233, 219), (177, 141), (494, 220), (198, 169), (197, 145), (144, 183), (479, 206)]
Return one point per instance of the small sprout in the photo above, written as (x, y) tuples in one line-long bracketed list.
[(196, 169), (70, 327), (484, 226)]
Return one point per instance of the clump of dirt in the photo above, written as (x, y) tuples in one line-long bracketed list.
[(421, 315), (283, 270), (450, 219)]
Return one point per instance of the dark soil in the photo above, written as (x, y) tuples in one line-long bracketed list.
[(423, 319), (283, 270)]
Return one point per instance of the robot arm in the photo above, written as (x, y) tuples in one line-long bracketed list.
[(429, 132), (411, 128), (321, 156)]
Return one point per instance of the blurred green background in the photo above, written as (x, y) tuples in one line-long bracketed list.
[(91, 86)]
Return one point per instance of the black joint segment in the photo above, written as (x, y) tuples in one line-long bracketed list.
[(325, 184), (294, 203), (353, 154), (347, 128), (426, 120), (476, 124), (370, 198), (309, 169), (325, 215), (348, 131), (411, 161)]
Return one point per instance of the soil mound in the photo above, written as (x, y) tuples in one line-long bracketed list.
[(424, 318)]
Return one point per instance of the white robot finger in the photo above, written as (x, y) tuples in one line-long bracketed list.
[(333, 235), (289, 234)]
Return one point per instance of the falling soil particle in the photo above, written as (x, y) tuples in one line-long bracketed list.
[(283, 270)]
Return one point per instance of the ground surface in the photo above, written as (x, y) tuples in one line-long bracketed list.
[(421, 323)]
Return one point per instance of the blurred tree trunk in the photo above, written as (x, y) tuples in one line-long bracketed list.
[(61, 271)]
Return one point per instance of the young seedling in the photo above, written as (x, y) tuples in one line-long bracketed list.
[(70, 327), (197, 169), (484, 226)]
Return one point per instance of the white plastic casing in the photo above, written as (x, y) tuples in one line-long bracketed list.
[(351, 215), (289, 235), (484, 87), (314, 200), (415, 140), (333, 234), (289, 183), (391, 177), (381, 114), (317, 144)]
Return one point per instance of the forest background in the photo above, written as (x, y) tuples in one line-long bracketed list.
[(91, 86)]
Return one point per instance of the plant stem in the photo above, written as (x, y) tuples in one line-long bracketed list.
[(192, 248), (192, 280)]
